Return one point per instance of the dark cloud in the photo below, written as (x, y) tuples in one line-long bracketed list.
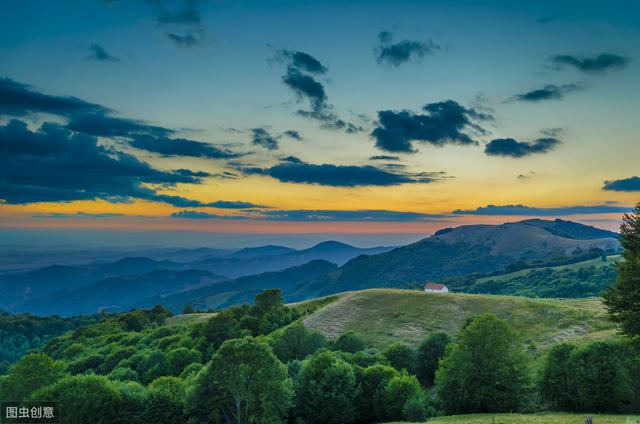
[(261, 137), (527, 176), (186, 18), (395, 54), (548, 92), (518, 149), (523, 210), (348, 215), (305, 86), (226, 204), (601, 63), (98, 53), (303, 61), (291, 159), (102, 125), (190, 173), (626, 184), (20, 99), (297, 171), (384, 157), (180, 147), (293, 134), (184, 41), (331, 121), (54, 164), (443, 123)]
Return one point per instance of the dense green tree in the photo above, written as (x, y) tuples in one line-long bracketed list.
[(180, 358), (558, 384), (30, 373), (87, 363), (485, 371), (296, 342), (133, 398), (84, 399), (164, 402), (416, 409), (155, 365), (350, 342), (372, 396), (191, 370), (216, 330), (114, 357), (243, 383), (268, 300), (399, 390), (123, 374), (430, 351), (401, 357), (188, 309), (602, 377), (623, 299), (325, 390)]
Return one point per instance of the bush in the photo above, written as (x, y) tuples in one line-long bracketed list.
[(401, 357), (399, 390), (350, 342), (429, 354), (372, 397)]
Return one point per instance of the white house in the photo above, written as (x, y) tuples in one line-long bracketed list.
[(435, 288)]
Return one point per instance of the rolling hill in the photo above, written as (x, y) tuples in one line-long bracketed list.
[(472, 249), (275, 258), (384, 316), (117, 293)]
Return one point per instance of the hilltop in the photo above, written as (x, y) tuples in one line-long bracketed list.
[(470, 249)]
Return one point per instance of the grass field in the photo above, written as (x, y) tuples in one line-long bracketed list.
[(598, 262), (383, 316), (534, 419)]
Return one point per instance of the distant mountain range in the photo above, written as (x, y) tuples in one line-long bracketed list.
[(215, 278)]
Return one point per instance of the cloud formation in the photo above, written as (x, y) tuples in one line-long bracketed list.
[(180, 147), (54, 164), (626, 184), (522, 210), (347, 215), (183, 41), (303, 61), (548, 92), (187, 19), (293, 170), (517, 149), (261, 137), (443, 123), (98, 53), (190, 214), (226, 204), (62, 215), (295, 135), (384, 157), (599, 64), (395, 54)]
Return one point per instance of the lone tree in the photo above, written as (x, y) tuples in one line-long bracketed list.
[(623, 298)]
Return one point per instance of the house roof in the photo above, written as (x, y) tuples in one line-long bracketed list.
[(434, 286)]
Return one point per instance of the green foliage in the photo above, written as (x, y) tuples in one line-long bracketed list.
[(244, 382), (30, 373), (429, 354), (325, 390), (84, 399), (180, 358), (191, 370), (623, 299), (548, 282), (124, 374), (350, 342), (557, 385), (399, 390), (417, 409), (401, 357), (21, 333), (485, 371), (372, 396), (133, 401), (164, 401), (296, 342)]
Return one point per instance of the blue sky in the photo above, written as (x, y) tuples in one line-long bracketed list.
[(545, 89)]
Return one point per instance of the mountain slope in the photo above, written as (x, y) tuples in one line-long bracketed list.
[(249, 261), (17, 288), (472, 249), (240, 290), (117, 293)]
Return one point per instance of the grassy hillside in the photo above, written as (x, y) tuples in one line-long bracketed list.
[(598, 263), (383, 316), (533, 419)]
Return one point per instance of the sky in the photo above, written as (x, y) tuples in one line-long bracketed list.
[(374, 122)]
